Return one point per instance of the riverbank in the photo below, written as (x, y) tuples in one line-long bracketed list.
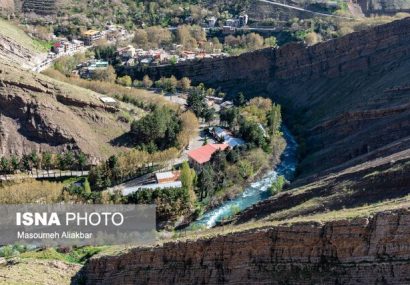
[(258, 190)]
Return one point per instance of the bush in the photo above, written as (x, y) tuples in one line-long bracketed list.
[(277, 185), (245, 169)]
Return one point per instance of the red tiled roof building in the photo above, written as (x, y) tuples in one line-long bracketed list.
[(203, 154)]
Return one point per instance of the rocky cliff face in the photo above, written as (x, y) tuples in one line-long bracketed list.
[(7, 5), (360, 251), (41, 114), (350, 98), (349, 94)]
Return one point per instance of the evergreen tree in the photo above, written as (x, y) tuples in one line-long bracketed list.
[(4, 165), (188, 179), (206, 182), (274, 119), (81, 161), (69, 160), (46, 158), (15, 163)]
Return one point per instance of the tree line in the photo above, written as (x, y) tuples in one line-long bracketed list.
[(68, 160)]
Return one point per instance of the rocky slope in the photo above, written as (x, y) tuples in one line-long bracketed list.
[(29, 272), (7, 5), (383, 7), (359, 251), (18, 47), (348, 95), (38, 113)]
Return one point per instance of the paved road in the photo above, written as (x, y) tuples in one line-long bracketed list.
[(44, 174), (196, 142)]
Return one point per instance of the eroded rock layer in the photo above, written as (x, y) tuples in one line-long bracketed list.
[(41, 114), (349, 96), (361, 251)]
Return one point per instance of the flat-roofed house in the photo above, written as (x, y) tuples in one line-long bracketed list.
[(91, 36), (166, 177)]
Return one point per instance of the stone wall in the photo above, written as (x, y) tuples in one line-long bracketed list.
[(361, 251)]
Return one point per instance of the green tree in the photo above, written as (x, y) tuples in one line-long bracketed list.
[(46, 158), (61, 162), (160, 128), (170, 84), (86, 185), (81, 161), (105, 52), (209, 115), (107, 75), (252, 133), (184, 84), (113, 166), (188, 177), (15, 163), (96, 178), (196, 100), (277, 185), (26, 163), (4, 165), (147, 82), (245, 169), (230, 117), (69, 160), (274, 119), (271, 42), (35, 159), (240, 99), (206, 182), (125, 81)]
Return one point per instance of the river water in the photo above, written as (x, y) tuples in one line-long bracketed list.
[(257, 191)]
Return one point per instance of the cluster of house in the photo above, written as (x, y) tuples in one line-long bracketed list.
[(131, 56), (112, 33), (66, 47), (88, 68), (203, 155), (218, 103), (239, 22), (232, 24)]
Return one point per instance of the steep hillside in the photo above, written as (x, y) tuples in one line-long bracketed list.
[(7, 5), (38, 113), (32, 272), (384, 6), (18, 47), (348, 100), (359, 251), (345, 97)]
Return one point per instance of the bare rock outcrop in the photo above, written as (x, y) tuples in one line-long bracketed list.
[(38, 113), (334, 91), (360, 251)]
